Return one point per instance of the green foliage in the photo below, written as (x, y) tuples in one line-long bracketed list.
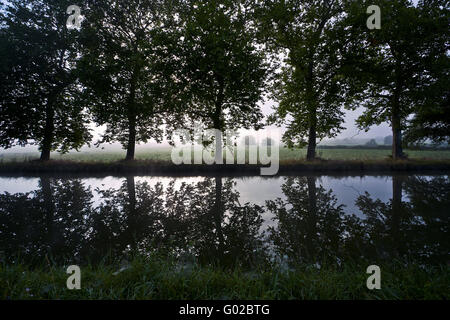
[(223, 71), (126, 68), (406, 70), (38, 88), (315, 39)]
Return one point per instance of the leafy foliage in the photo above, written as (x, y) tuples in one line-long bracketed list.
[(315, 39), (39, 88), (126, 68), (406, 70), (223, 70)]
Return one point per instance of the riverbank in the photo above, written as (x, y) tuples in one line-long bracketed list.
[(156, 278), (164, 168)]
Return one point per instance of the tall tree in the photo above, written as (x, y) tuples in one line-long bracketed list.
[(431, 119), (223, 71), (317, 44), (405, 68), (38, 83), (127, 68)]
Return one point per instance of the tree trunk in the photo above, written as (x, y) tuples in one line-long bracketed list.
[(312, 135), (218, 216), (131, 147), (49, 206), (397, 213), (218, 136), (311, 153), (312, 216), (219, 148), (217, 122), (397, 150), (131, 220), (49, 129)]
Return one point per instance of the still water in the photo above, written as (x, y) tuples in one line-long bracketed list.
[(300, 219)]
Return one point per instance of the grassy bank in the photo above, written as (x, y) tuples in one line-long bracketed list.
[(149, 167), (158, 278), (160, 154)]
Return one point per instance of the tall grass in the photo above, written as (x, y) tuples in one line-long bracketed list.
[(162, 278), (164, 155)]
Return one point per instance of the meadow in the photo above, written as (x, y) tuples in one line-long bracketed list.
[(163, 154)]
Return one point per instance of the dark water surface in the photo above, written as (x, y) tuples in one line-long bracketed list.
[(304, 219)]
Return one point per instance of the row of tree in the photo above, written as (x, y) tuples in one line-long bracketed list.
[(145, 67)]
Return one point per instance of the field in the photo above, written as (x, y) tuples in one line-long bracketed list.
[(160, 154)]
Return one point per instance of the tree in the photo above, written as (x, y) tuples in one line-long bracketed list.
[(39, 87), (403, 67), (371, 143), (431, 119), (388, 140), (223, 71), (126, 67), (316, 40)]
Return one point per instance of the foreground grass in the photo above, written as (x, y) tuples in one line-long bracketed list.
[(156, 278), (288, 155)]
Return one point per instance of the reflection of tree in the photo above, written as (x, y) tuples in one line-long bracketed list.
[(310, 222), (205, 220), (127, 219), (220, 228), (385, 223), (413, 230), (50, 221)]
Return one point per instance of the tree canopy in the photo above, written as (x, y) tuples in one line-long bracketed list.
[(405, 69), (317, 44), (38, 83), (126, 68)]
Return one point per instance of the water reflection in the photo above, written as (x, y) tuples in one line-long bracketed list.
[(206, 220)]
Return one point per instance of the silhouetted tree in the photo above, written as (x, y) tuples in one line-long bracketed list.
[(38, 84), (127, 68), (223, 70), (405, 67), (318, 44)]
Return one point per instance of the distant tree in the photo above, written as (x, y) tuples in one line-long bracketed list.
[(404, 67), (371, 143), (316, 39), (126, 64), (388, 140), (223, 71), (38, 83)]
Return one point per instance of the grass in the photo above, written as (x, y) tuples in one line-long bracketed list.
[(164, 155), (159, 278), (157, 161)]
